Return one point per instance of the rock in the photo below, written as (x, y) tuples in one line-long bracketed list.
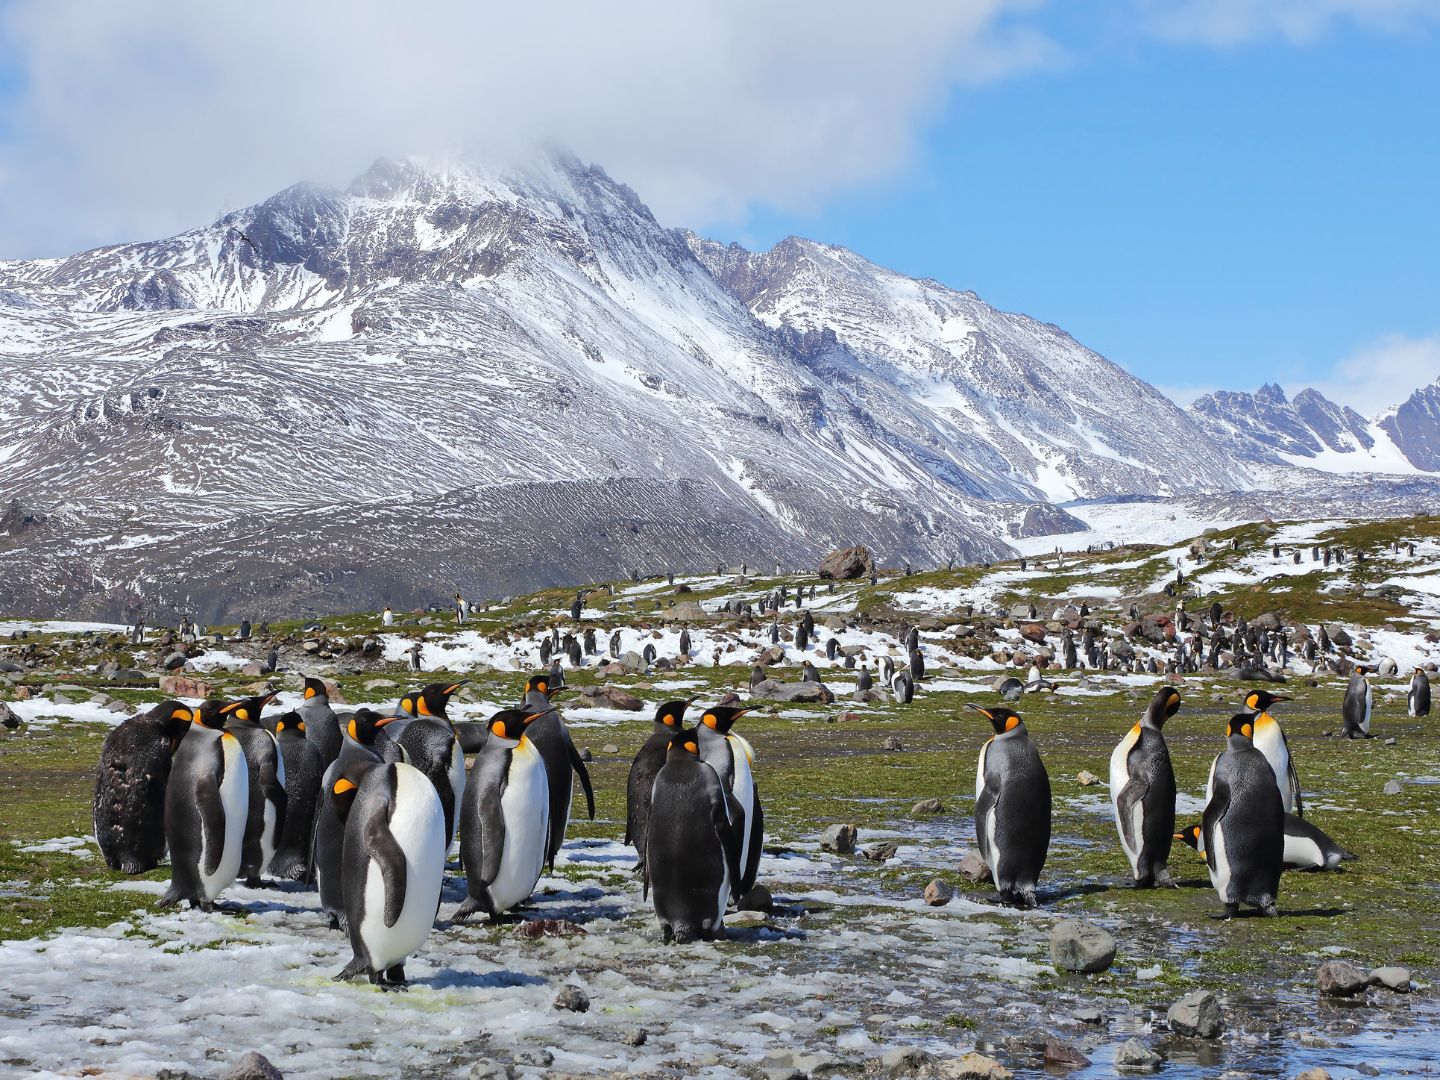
[(538, 928), (1081, 946), (973, 868), (688, 611), (8, 717), (253, 1066), (115, 705), (174, 662), (1392, 978), (1034, 632), (1313, 1074), (743, 919), (1390, 741), (535, 1057), (757, 899), (1059, 1053), (1393, 787), (881, 851), (845, 564), (632, 663), (771, 690), (839, 839), (1196, 1015), (1085, 778), (938, 893), (252, 670), (572, 999), (185, 686), (610, 748), (892, 742), (971, 1067), (634, 1036), (490, 1070), (1088, 1016), (1134, 1056), (928, 806), (1339, 978), (904, 1059)]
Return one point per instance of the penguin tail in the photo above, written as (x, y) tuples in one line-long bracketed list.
[(1348, 856)]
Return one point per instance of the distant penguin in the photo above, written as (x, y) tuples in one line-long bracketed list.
[(832, 648), (1306, 847), (669, 718), (774, 633), (757, 676), (912, 639), (808, 672), (129, 804), (733, 759), (802, 637), (393, 866), (917, 665), (902, 686), (573, 654), (360, 742), (1270, 740), (322, 726), (1244, 824), (557, 670), (692, 850), (545, 649), (685, 644), (1070, 659), (1358, 704), (1012, 807), (432, 745), (863, 681), (648, 654), (505, 821), (590, 641), (207, 803), (304, 770), (1417, 701), (1142, 791), (551, 737), (266, 821), (887, 668), (614, 645)]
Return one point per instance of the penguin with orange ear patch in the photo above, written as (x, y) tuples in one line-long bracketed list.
[(1012, 807), (1243, 825), (432, 745), (1142, 791), (304, 769), (669, 718), (207, 804), (129, 808), (266, 822)]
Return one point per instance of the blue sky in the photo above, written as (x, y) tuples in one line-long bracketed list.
[(1213, 193), (1206, 217)]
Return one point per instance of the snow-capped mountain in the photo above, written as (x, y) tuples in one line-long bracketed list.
[(1414, 427), (448, 378)]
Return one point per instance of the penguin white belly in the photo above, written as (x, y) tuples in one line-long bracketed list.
[(1210, 781), (1369, 705), (525, 809), (980, 769), (990, 840), (1269, 743), (457, 786), (1220, 875), (1119, 777), (744, 790), (235, 799), (418, 826), (722, 899), (1303, 853)]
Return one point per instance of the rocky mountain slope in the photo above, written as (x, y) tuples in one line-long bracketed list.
[(1414, 427)]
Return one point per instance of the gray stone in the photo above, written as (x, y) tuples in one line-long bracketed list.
[(610, 748), (904, 1059), (1085, 778), (928, 806), (938, 893), (1393, 787), (972, 1066), (1088, 1016), (1134, 1056), (1392, 978), (1339, 978), (757, 899), (572, 999), (1081, 946), (634, 1036), (253, 1066), (892, 742), (839, 839), (973, 868), (490, 1070), (742, 919), (812, 692), (1313, 1074), (880, 852), (535, 1056), (8, 716), (1196, 1015)]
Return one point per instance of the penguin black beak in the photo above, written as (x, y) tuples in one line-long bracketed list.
[(451, 689), (387, 720), (556, 691), (983, 712)]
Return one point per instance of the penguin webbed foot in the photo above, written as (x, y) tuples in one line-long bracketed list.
[(353, 970), (1229, 911)]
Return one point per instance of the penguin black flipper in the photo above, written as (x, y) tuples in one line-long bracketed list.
[(579, 766), (1214, 815), (1294, 783), (212, 813), (492, 824), (1132, 793), (385, 852)]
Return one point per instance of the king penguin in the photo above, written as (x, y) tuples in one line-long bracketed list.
[(360, 742), (304, 769), (1243, 827), (393, 865), (1306, 847), (1270, 740), (322, 726), (129, 806), (1142, 791), (692, 850), (562, 761), (207, 803), (669, 718), (267, 784), (733, 759), (505, 820), (1012, 807), (432, 745), (1358, 704), (1417, 701)]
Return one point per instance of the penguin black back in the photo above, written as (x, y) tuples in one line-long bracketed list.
[(304, 769), (129, 805), (1012, 807), (1244, 823), (669, 718)]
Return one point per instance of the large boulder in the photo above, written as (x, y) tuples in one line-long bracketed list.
[(186, 686), (771, 690), (612, 697), (1076, 945), (847, 563), (688, 611)]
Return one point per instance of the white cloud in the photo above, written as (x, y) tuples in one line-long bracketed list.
[(139, 119), (1381, 374), (1237, 22)]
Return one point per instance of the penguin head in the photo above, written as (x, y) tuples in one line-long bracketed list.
[(1259, 701), (288, 724), (722, 718), (1002, 718), (672, 713), (365, 725), (1165, 704), (209, 714), (542, 683), (1241, 726), (247, 710), (510, 724), (175, 718), (432, 700), (683, 742), (1190, 835), (315, 688)]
